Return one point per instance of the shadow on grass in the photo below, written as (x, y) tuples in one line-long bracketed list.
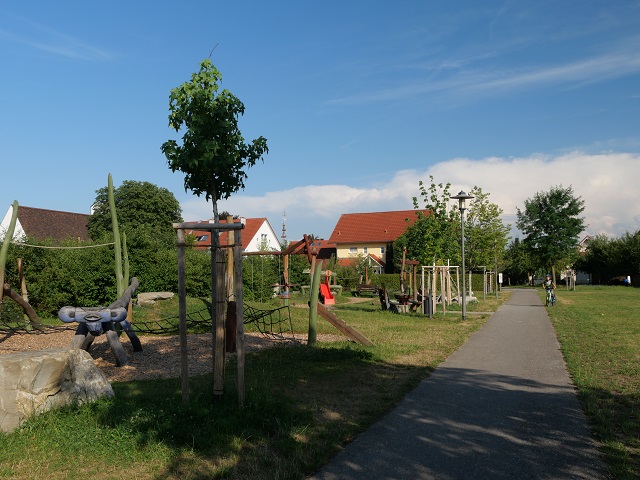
[(289, 421)]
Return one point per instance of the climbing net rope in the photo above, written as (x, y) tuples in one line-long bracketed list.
[(14, 327), (275, 323)]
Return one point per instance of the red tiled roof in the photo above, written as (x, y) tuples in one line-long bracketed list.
[(378, 227), (41, 223), (346, 262)]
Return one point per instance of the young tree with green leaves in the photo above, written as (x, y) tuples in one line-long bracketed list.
[(485, 234), (434, 237), (551, 224), (213, 153)]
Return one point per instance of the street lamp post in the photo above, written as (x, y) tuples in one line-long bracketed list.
[(462, 197)]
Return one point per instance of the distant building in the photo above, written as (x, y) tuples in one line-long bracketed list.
[(370, 236), (257, 235), (584, 278), (45, 224)]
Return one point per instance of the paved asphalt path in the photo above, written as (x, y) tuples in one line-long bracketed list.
[(502, 406)]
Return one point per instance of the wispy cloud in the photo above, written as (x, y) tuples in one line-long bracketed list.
[(608, 65), (45, 39), (592, 70), (606, 182)]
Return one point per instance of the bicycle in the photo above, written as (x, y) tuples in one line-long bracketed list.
[(551, 298)]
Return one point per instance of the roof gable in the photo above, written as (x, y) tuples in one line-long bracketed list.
[(41, 223), (249, 232), (378, 227)]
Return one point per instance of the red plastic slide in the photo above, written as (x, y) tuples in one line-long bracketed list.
[(326, 297)]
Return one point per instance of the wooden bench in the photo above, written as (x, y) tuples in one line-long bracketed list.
[(364, 288), (386, 303), (335, 289), (414, 304)]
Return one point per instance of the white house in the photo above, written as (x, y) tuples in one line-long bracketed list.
[(257, 235)]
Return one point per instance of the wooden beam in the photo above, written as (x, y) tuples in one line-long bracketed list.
[(341, 325)]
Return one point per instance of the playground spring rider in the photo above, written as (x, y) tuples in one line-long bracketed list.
[(93, 321)]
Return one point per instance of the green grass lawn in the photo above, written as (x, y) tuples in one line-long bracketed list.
[(302, 404), (599, 330)]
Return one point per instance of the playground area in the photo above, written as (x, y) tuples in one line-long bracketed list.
[(158, 358)]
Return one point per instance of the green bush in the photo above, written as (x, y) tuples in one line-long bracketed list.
[(86, 277), (390, 281)]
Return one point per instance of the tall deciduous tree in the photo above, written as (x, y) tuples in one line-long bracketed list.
[(518, 265), (607, 258), (138, 204), (485, 234), (434, 237), (551, 224), (213, 153), (630, 249)]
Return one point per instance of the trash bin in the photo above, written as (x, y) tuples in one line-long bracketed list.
[(426, 306)]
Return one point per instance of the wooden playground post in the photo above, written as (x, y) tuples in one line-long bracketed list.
[(218, 305), (442, 291), (229, 282), (285, 278), (237, 256), (434, 286), (484, 282), (182, 315), (404, 259), (316, 271), (218, 315)]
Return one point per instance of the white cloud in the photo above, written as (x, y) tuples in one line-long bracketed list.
[(607, 182)]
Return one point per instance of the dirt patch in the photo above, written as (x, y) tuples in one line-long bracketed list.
[(160, 356)]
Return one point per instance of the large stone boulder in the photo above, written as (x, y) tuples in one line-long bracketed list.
[(34, 382), (149, 298)]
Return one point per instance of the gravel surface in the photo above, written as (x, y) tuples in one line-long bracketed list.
[(160, 356)]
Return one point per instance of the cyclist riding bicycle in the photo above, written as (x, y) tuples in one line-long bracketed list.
[(549, 287)]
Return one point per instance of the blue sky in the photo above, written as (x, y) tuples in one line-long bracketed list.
[(358, 101)]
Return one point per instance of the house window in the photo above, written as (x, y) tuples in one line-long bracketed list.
[(381, 250), (365, 250), (353, 250), (263, 237)]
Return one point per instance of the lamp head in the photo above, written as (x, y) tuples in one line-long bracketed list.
[(462, 197)]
